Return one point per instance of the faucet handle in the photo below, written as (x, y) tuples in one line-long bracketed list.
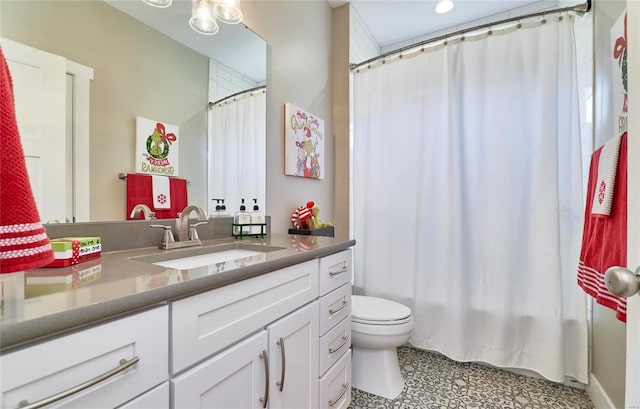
[(168, 234), (193, 233)]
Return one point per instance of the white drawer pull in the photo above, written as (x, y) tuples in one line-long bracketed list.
[(334, 350), (335, 273), (124, 364), (284, 364), (345, 386), (265, 400), (337, 310)]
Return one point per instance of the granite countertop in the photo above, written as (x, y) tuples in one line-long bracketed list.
[(39, 303)]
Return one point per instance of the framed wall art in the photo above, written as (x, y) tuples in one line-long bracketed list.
[(156, 147), (304, 143)]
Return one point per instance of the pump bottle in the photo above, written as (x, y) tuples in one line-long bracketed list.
[(241, 218), (257, 218)]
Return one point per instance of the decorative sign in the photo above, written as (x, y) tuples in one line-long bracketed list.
[(156, 147), (620, 74), (304, 143)]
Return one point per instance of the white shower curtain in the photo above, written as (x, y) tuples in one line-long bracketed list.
[(468, 198), (238, 151)]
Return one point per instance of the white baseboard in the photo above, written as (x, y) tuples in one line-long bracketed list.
[(597, 394)]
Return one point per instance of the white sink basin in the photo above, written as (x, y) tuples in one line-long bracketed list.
[(207, 259), (213, 257)]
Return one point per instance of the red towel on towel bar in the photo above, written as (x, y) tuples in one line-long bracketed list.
[(604, 239), (140, 191)]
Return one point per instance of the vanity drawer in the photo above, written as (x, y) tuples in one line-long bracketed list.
[(334, 271), (157, 398), (49, 368), (206, 323), (334, 307), (335, 385), (334, 344)]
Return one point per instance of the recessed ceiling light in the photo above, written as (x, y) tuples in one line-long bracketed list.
[(444, 6)]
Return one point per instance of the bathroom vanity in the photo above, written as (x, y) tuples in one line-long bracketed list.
[(251, 324)]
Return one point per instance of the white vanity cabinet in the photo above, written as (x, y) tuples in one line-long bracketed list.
[(275, 368), (293, 367), (156, 398), (334, 353), (234, 378), (125, 357), (279, 312), (275, 340), (206, 323)]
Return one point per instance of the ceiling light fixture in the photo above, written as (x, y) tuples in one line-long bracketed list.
[(228, 11), (205, 12), (444, 6), (158, 3), (202, 18)]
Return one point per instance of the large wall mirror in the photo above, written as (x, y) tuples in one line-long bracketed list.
[(123, 59)]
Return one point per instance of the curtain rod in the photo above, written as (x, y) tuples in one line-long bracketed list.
[(212, 104), (578, 8)]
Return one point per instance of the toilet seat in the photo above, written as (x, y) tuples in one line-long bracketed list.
[(378, 311), (379, 322)]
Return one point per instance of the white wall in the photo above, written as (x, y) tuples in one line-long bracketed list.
[(299, 71)]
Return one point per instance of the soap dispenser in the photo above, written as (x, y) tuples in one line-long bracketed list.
[(221, 209), (257, 219), (241, 218), (216, 213)]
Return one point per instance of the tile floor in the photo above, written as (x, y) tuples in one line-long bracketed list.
[(434, 381)]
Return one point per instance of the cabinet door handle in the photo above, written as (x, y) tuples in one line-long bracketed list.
[(124, 364), (345, 386), (342, 270), (337, 310), (265, 357), (334, 350), (284, 367)]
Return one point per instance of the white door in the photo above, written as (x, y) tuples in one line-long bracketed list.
[(632, 395), (39, 82), (235, 378), (294, 359)]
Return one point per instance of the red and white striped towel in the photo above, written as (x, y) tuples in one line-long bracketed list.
[(23, 240), (605, 184), (604, 239)]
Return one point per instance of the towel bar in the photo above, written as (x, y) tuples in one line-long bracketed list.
[(123, 176)]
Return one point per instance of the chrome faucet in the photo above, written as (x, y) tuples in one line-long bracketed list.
[(182, 222), (144, 209), (187, 235)]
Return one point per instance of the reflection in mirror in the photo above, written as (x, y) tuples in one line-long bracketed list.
[(238, 124), (145, 62)]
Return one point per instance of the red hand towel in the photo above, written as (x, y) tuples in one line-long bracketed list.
[(604, 239), (140, 191), (23, 241)]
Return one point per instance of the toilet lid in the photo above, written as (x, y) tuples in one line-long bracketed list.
[(377, 309)]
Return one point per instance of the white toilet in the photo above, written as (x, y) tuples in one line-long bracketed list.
[(378, 328)]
